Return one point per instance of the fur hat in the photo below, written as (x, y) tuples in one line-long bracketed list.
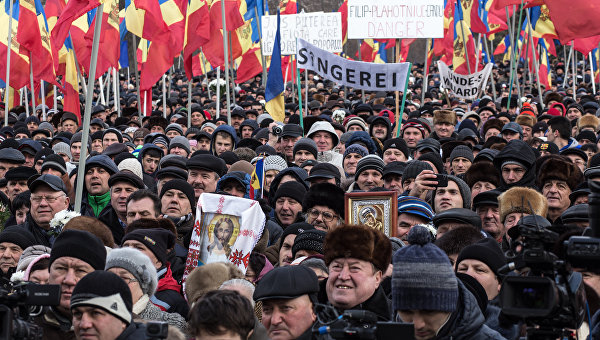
[(209, 277), (94, 226), (359, 242), (482, 171), (444, 116), (552, 96), (522, 200), (588, 121), (492, 123), (560, 170), (327, 194), (525, 119)]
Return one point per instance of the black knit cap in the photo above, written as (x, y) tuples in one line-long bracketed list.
[(294, 229), (414, 168), (396, 143), (17, 235), (54, 162), (20, 173), (309, 240), (99, 284), (294, 190), (487, 251), (181, 185), (81, 245), (157, 240)]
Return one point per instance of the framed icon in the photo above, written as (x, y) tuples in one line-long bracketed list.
[(377, 210)]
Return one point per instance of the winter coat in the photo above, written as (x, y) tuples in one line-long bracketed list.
[(378, 303), (54, 325), (168, 295), (595, 326), (134, 331), (492, 320), (260, 332), (40, 234), (467, 322)]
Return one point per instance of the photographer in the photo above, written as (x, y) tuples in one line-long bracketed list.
[(426, 292)]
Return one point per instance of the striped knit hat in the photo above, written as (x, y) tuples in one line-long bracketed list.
[(423, 278), (415, 206)]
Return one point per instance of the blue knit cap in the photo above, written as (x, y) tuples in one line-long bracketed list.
[(423, 278), (415, 206), (356, 148)]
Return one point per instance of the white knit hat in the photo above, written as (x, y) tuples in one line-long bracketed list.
[(132, 165)]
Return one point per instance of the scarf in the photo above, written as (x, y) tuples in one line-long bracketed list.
[(141, 304), (167, 282), (98, 203)]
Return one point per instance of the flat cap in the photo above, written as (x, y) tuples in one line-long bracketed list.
[(207, 162), (11, 155), (287, 282)]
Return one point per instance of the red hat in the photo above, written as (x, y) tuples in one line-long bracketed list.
[(553, 112)]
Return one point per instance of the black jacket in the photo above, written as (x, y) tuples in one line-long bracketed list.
[(378, 303), (41, 235), (133, 332), (521, 152), (107, 216)]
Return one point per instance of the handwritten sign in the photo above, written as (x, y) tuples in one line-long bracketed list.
[(388, 19), (320, 29), (464, 86)]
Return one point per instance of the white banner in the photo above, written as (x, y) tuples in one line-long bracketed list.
[(355, 74), (226, 229), (320, 29), (387, 19), (464, 86)]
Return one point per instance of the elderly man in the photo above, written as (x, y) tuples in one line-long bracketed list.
[(102, 306), (74, 255), (482, 260), (13, 240), (204, 172), (426, 293), (369, 173), (17, 180), (10, 158), (486, 206), (324, 206), (48, 196), (327, 139), (287, 295), (288, 203), (557, 179), (122, 185), (518, 202), (357, 257)]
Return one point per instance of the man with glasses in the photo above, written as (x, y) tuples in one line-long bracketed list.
[(323, 206), (48, 196)]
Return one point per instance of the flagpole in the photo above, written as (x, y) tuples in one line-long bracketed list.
[(426, 69), (535, 61), (398, 120), (230, 55), (362, 92), (116, 92), (189, 104), (164, 96), (593, 75), (26, 102), (574, 70), (218, 91), (399, 126), (54, 100), (31, 81), (487, 51), (43, 92), (299, 96), (9, 45), (226, 57), (145, 103), (137, 77), (101, 84), (88, 109)]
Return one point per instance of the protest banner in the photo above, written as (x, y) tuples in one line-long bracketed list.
[(388, 19), (356, 74), (320, 29), (464, 86), (226, 229)]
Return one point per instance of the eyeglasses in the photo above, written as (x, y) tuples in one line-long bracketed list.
[(49, 199), (128, 280), (327, 216)]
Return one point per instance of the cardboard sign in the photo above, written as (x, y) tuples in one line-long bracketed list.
[(387, 19), (464, 86), (355, 74), (320, 29)]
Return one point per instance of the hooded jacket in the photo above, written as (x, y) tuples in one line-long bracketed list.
[(228, 130), (362, 137), (381, 120), (521, 152), (145, 149), (467, 322)]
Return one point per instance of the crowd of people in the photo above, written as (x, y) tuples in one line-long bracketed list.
[(467, 176)]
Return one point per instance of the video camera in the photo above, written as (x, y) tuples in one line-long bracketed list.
[(551, 298), (358, 324), (15, 320)]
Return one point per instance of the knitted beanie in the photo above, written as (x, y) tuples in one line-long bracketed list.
[(369, 162), (292, 189), (181, 142), (174, 127), (183, 186), (62, 148), (461, 151), (309, 240), (104, 290), (136, 263), (356, 148), (81, 245), (133, 165), (157, 240), (414, 168), (17, 235), (294, 229), (54, 162), (463, 187), (31, 253), (423, 278), (485, 250), (415, 206), (274, 163), (306, 144)]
